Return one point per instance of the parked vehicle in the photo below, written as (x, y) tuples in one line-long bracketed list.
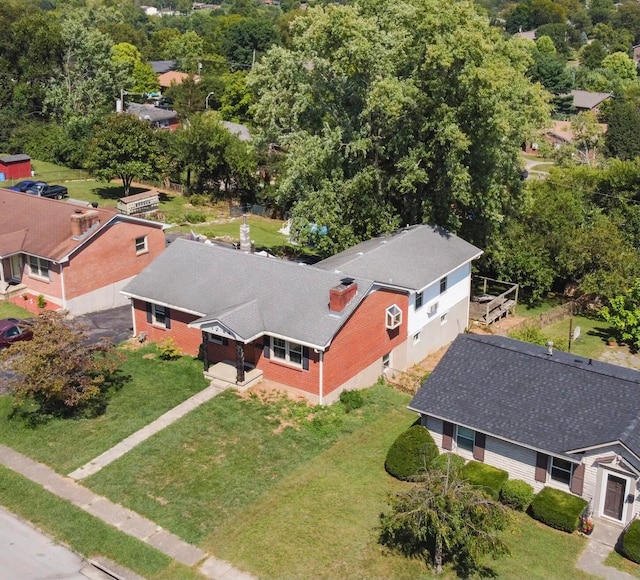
[(23, 185), (14, 330), (45, 190)]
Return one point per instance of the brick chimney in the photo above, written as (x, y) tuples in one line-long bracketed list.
[(341, 295), (82, 221)]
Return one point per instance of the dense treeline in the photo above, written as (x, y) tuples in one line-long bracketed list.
[(366, 115)]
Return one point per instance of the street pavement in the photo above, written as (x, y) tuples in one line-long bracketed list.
[(27, 554)]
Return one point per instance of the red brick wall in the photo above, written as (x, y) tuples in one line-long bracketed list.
[(279, 371), (110, 257), (364, 338), (187, 339), (52, 288)]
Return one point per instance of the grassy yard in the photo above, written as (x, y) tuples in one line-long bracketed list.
[(282, 494), (10, 310), (56, 173), (84, 533), (615, 560), (593, 335), (156, 387)]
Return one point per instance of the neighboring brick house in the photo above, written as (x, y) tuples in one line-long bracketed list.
[(318, 329), (589, 101), (546, 417), (76, 257)]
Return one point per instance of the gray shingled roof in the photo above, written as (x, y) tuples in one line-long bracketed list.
[(588, 99), (14, 158), (162, 66), (240, 131), (249, 294), (412, 258), (516, 391), (151, 112)]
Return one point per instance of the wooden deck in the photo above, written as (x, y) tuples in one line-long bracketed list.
[(487, 313), (487, 307)]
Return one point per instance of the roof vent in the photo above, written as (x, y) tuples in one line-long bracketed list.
[(550, 347)]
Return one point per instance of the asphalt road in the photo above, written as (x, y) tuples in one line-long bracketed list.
[(26, 554)]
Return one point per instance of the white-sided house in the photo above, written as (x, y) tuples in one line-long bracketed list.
[(434, 267), (549, 418)]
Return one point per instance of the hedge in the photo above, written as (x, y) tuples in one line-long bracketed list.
[(516, 494), (411, 452), (631, 542), (453, 462), (558, 509), (489, 478)]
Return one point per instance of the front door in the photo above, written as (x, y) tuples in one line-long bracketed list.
[(16, 271), (614, 497)]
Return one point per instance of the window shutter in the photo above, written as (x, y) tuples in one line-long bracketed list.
[(266, 351), (167, 321), (577, 479), (447, 435), (305, 358), (478, 448), (225, 341), (149, 306), (542, 463)]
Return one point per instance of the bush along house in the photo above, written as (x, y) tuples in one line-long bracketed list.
[(546, 417), (77, 258), (322, 329)]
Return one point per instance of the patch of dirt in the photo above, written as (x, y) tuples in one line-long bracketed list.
[(149, 356)]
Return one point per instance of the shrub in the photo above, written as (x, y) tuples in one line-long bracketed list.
[(454, 463), (351, 400), (631, 542), (411, 452), (489, 478), (195, 218), (558, 509), (516, 494), (169, 350), (41, 301)]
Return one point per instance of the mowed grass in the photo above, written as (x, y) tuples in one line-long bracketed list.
[(201, 472), (51, 173), (10, 310), (263, 231), (66, 444), (618, 561), (593, 335), (84, 533)]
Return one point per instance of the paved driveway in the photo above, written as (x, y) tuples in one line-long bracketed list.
[(115, 324)]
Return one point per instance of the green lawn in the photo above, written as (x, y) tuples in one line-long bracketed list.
[(539, 308), (264, 231), (593, 335), (56, 173), (201, 472), (84, 533), (157, 386), (10, 310), (615, 560)]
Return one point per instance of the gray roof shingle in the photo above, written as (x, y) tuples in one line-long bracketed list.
[(516, 391), (411, 258), (248, 293)]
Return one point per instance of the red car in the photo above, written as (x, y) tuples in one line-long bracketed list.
[(12, 330)]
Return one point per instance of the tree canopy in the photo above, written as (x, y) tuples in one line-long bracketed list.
[(397, 113)]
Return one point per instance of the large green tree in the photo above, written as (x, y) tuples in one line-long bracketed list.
[(397, 113), (443, 519), (126, 147)]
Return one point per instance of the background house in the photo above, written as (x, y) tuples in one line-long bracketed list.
[(318, 329), (546, 417), (589, 101), (157, 117), (77, 258)]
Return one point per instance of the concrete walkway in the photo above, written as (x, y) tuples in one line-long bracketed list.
[(601, 542), (143, 434), (124, 519)]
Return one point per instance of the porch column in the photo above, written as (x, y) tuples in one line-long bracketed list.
[(239, 362), (2, 283), (205, 352)]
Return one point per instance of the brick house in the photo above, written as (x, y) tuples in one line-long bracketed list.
[(77, 257), (317, 329), (546, 417)]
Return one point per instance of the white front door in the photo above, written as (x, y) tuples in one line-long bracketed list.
[(16, 267)]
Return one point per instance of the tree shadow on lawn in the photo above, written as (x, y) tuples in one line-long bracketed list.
[(117, 192)]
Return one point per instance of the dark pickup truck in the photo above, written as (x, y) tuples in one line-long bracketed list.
[(45, 190)]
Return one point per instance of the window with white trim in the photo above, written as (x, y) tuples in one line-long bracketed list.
[(465, 438), (289, 352), (561, 470), (386, 361), (39, 267), (419, 298), (215, 339), (443, 318), (159, 315), (416, 338), (393, 317), (443, 285), (433, 308), (141, 245)]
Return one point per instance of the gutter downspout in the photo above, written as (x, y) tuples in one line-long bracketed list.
[(320, 396), (133, 317), (64, 293)]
